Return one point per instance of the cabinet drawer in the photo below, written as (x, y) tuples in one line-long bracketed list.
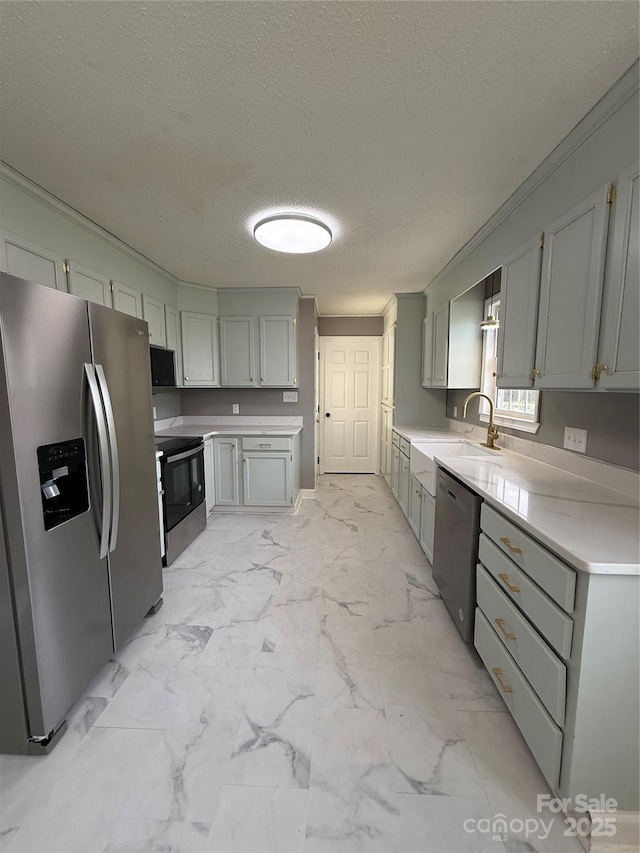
[(552, 622), (556, 578), (266, 442), (405, 446), (546, 672), (542, 735), (395, 439)]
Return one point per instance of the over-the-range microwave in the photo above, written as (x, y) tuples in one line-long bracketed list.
[(163, 367)]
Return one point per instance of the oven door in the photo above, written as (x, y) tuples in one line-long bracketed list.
[(183, 484)]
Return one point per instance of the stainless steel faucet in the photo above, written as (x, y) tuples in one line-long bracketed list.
[(492, 431)]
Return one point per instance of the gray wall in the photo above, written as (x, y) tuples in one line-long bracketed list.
[(167, 404), (612, 420), (351, 326), (267, 402)]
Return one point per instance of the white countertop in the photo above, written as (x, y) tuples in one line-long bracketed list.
[(208, 430), (593, 528), (416, 434)]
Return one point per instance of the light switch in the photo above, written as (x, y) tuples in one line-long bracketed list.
[(575, 439), (289, 396), (235, 408)]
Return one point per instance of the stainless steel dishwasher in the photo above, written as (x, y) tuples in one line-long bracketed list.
[(455, 549)]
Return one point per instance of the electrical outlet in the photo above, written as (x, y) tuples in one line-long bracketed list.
[(575, 439), (455, 411), (289, 396), (236, 408)]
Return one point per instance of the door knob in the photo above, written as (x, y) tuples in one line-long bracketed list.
[(328, 415)]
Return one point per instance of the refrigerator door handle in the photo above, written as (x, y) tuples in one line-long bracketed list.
[(115, 460), (103, 444)]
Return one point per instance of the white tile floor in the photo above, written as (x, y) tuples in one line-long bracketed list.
[(303, 688)]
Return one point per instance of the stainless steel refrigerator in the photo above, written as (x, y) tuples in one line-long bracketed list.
[(80, 562)]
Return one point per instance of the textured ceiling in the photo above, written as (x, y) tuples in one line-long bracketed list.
[(172, 124)]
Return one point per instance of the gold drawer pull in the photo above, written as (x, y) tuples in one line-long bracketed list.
[(512, 548), (508, 634), (504, 577), (507, 688)]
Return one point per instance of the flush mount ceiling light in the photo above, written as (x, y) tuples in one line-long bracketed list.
[(294, 233)]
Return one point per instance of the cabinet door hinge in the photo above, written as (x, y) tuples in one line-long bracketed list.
[(318, 460), (541, 243), (65, 266), (611, 195), (598, 370), (295, 323), (533, 373), (111, 287)]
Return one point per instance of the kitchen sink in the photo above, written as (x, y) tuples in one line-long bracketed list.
[(422, 463)]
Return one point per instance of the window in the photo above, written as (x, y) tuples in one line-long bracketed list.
[(516, 408)]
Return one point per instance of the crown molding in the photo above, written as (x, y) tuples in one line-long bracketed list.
[(623, 89), (45, 197), (197, 286)]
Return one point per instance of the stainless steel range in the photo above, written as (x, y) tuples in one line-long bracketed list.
[(183, 504)]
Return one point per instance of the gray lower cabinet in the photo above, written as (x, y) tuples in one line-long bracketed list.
[(395, 470), (266, 477), (561, 648), (415, 505), (225, 462), (427, 523), (404, 483), (209, 475), (256, 471)]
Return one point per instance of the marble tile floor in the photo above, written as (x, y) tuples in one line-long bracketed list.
[(302, 688)]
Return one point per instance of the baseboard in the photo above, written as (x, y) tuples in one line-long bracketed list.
[(305, 494)]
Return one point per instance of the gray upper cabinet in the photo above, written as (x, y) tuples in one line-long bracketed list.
[(619, 362), (200, 350), (427, 351), (388, 366), (126, 299), (278, 351), (26, 260), (440, 346), (237, 351), (519, 294), (88, 284), (571, 295), (153, 313), (174, 338)]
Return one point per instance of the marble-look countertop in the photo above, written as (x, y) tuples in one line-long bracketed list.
[(593, 528), (207, 430), (416, 434)]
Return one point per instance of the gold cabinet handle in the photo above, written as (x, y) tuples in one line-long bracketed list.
[(513, 548), (506, 688), (507, 634), (504, 577)]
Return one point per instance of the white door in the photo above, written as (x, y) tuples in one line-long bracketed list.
[(350, 372)]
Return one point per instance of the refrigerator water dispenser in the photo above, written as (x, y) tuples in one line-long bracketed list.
[(63, 481)]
